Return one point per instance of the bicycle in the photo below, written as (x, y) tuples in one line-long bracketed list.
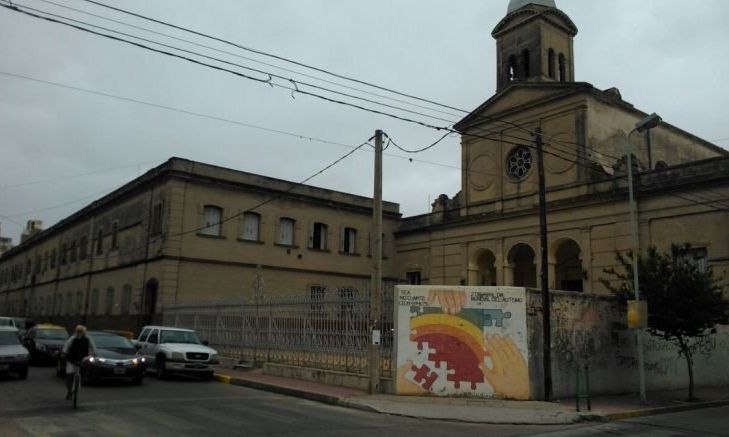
[(76, 386)]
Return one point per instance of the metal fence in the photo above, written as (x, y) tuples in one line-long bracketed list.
[(328, 329)]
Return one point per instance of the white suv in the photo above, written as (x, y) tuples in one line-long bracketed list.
[(175, 350)]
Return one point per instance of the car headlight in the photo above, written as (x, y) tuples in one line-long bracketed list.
[(213, 357), (92, 359), (135, 361), (41, 347), (177, 356)]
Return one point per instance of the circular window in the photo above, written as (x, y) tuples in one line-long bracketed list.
[(519, 162)]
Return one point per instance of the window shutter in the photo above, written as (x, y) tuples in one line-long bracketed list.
[(311, 235), (342, 231)]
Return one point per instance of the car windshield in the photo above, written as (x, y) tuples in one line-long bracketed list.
[(20, 323), (110, 341), (52, 334), (179, 337), (8, 338)]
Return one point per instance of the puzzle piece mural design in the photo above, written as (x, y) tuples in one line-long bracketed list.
[(494, 317)]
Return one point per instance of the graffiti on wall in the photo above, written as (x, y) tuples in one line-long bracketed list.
[(462, 341)]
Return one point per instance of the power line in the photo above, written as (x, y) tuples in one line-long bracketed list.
[(260, 52), (295, 89), (298, 136), (166, 35), (73, 176)]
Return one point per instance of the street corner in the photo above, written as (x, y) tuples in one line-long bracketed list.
[(220, 377)]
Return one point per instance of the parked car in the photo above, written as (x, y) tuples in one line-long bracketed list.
[(14, 357), (7, 321), (115, 357), (23, 324), (175, 350), (45, 342)]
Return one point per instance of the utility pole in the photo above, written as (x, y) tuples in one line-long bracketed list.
[(546, 307), (376, 282)]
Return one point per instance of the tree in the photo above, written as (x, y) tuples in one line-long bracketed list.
[(685, 303)]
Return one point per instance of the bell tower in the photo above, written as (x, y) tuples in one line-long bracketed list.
[(534, 43)]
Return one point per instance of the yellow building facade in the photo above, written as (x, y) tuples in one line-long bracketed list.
[(488, 233), (189, 232)]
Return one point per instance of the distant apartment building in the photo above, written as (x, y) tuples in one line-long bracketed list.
[(32, 227), (5, 243)]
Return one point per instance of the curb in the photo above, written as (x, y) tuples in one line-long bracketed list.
[(653, 411), (319, 397), (345, 402)]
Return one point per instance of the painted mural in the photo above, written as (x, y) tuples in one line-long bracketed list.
[(462, 341)]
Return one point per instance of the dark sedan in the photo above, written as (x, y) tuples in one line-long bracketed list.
[(115, 358), (45, 342)]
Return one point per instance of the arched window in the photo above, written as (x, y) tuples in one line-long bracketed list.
[(251, 226), (100, 241), (511, 70), (109, 304), (126, 299), (526, 70), (568, 270), (521, 259), (94, 302), (115, 236), (212, 216), (79, 302), (562, 68), (550, 63)]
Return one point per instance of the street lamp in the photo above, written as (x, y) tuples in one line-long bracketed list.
[(644, 125)]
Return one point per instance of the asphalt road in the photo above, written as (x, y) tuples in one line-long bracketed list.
[(36, 407), (179, 407)]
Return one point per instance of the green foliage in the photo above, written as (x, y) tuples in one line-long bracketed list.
[(683, 301)]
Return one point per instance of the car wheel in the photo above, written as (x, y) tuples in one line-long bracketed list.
[(160, 364), (23, 373), (138, 380), (208, 376)]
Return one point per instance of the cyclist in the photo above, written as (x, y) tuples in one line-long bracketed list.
[(77, 347)]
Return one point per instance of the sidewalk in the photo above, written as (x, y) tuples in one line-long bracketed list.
[(604, 408)]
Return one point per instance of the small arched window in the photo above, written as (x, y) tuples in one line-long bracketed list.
[(511, 70), (212, 218), (562, 68), (251, 226), (286, 231), (526, 70), (550, 63)]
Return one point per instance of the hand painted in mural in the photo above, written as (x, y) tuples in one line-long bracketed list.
[(450, 301), (508, 374)]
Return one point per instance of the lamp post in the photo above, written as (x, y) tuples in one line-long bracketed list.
[(644, 125)]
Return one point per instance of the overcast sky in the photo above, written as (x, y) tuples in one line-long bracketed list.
[(666, 56)]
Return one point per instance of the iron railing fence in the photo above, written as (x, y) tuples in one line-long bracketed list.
[(325, 330)]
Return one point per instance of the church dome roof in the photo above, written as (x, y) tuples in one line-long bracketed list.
[(515, 5)]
